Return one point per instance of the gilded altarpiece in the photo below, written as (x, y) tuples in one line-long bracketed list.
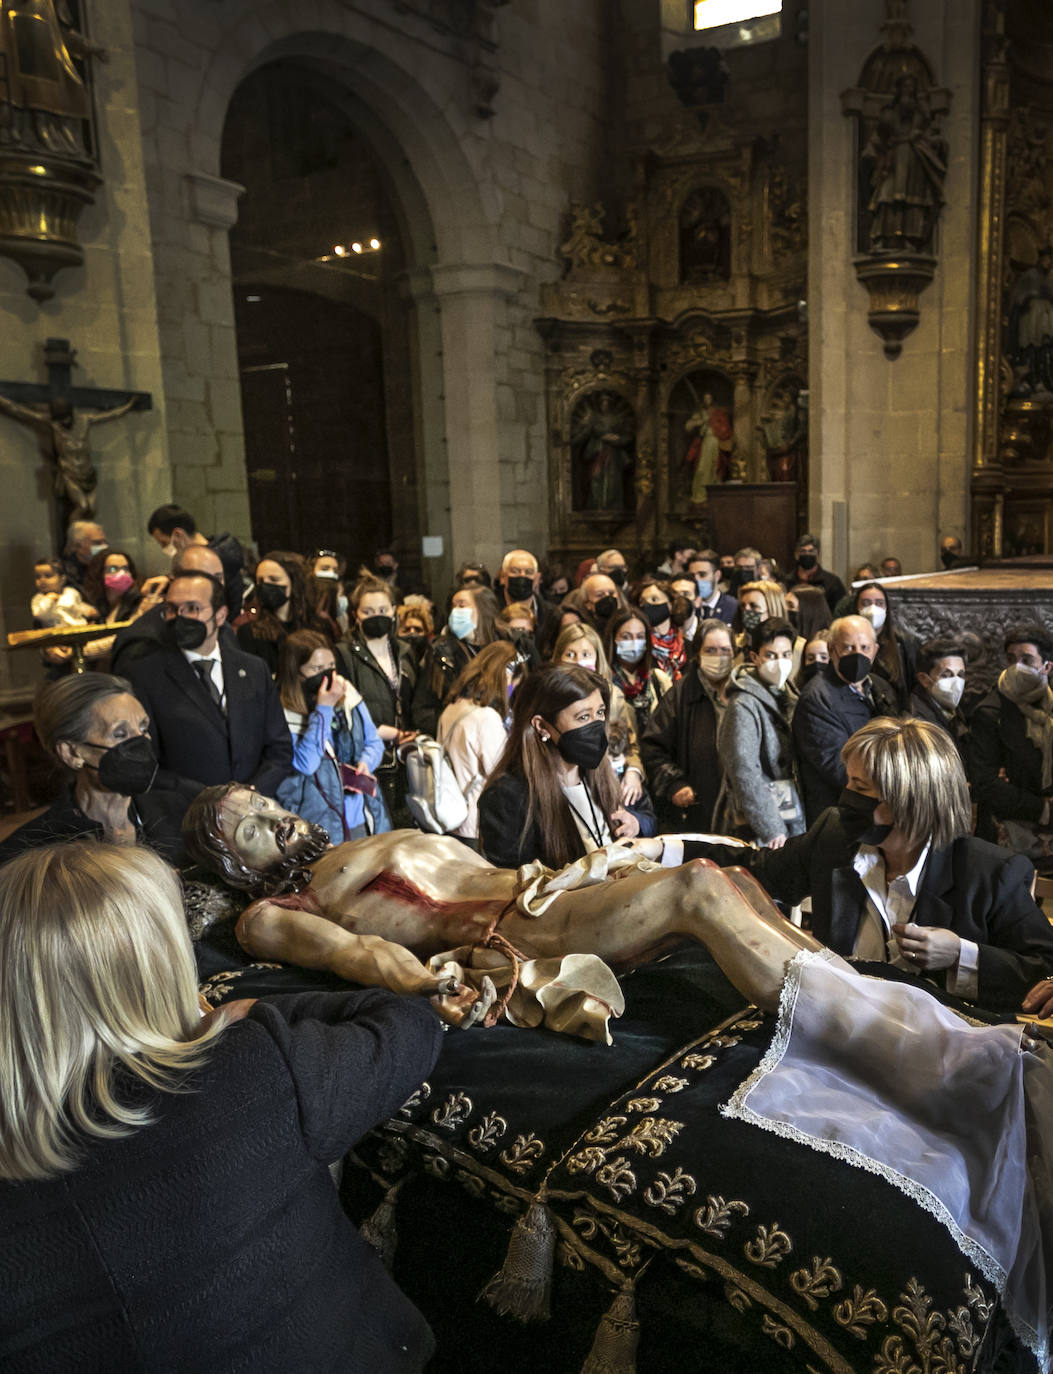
[(1012, 484), (676, 343)]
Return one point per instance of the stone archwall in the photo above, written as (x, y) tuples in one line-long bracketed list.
[(494, 189)]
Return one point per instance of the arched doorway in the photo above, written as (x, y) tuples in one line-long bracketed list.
[(318, 258)]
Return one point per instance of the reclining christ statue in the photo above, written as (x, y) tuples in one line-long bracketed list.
[(374, 910)]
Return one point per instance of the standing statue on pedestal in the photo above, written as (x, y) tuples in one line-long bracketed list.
[(603, 430), (66, 437), (708, 455), (1031, 328), (910, 163)]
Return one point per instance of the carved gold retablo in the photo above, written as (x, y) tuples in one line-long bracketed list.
[(48, 167)]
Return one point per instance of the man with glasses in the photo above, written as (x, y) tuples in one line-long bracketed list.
[(215, 714)]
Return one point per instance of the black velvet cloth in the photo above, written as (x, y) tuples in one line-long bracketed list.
[(746, 1252)]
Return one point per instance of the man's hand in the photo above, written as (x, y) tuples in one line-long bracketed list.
[(683, 796), (155, 587), (776, 842), (1039, 1001), (632, 787), (626, 825), (927, 947)]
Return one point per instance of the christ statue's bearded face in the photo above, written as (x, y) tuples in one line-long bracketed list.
[(263, 834)]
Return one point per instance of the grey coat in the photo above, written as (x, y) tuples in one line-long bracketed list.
[(756, 749)]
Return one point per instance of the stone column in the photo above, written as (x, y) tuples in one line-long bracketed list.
[(429, 416), (890, 440), (472, 301)]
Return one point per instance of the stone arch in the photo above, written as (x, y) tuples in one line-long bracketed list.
[(416, 116)]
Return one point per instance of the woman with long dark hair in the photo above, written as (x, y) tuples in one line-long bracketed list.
[(554, 795), (471, 624), (897, 649), (112, 587), (633, 667), (668, 649), (280, 603)]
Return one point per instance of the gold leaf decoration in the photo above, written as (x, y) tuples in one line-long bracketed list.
[(738, 1299), (770, 1246), (526, 1150), (716, 1216), (779, 1333), (617, 1177), (643, 1104), (606, 1131), (652, 1135), (489, 1131), (670, 1191), (859, 1311), (815, 1283), (668, 1084), (698, 1061), (454, 1112)]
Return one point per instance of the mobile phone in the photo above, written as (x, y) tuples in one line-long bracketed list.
[(357, 782)]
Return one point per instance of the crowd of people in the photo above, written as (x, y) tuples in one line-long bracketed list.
[(714, 694)]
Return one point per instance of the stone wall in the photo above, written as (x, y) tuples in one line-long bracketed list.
[(106, 309), (486, 195)]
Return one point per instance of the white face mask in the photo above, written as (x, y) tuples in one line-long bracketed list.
[(1021, 679), (775, 672), (947, 691), (715, 666), (877, 615), (169, 550)]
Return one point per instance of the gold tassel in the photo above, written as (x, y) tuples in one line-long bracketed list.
[(379, 1230), (617, 1336), (521, 1287)]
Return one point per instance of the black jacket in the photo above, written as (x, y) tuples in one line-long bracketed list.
[(998, 741), (503, 837), (386, 707), (922, 706), (143, 636), (213, 1238), (446, 655), (158, 816), (973, 888), (907, 645), (194, 739), (828, 712), (830, 584), (679, 747)]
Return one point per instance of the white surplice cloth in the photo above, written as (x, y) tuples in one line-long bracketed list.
[(957, 1116)]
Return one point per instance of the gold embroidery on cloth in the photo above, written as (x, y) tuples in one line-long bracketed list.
[(716, 1216), (975, 1298), (626, 1249), (454, 1112), (526, 1150), (770, 1247), (782, 1335), (617, 1177), (818, 1282), (651, 1135), (415, 1099), (669, 1192), (489, 1131), (669, 1084), (698, 1061), (643, 1104), (859, 1311)]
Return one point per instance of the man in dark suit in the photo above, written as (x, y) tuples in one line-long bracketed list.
[(834, 705), (146, 634), (215, 714), (710, 602)]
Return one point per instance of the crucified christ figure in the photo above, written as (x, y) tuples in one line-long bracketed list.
[(374, 910), (67, 431)]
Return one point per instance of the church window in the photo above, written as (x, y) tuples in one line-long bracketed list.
[(738, 21)]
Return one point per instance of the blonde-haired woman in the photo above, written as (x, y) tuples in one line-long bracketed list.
[(581, 645), (181, 1163), (895, 877), (759, 601)]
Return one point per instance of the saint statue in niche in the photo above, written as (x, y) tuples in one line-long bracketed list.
[(784, 431), (44, 103), (701, 404), (1031, 328), (705, 237), (907, 154), (602, 439)]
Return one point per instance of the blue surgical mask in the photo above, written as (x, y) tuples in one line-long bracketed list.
[(461, 622), (341, 606), (704, 587), (630, 650)]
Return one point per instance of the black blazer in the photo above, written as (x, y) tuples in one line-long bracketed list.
[(194, 739), (998, 740), (828, 712), (503, 837), (979, 891), (213, 1238)]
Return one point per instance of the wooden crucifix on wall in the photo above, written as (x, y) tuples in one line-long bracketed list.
[(63, 414)]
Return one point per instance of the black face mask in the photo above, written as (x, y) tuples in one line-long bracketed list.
[(617, 576), (313, 685), (810, 670), (270, 596), (605, 607), (385, 570), (520, 588), (947, 558), (807, 561), (584, 746), (857, 818), (184, 633), (853, 667), (377, 626), (129, 767), (655, 612)]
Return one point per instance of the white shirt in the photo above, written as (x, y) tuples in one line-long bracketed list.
[(587, 815), (216, 671), (890, 904)]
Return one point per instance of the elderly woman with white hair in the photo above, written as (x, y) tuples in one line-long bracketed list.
[(165, 1196), (895, 877)]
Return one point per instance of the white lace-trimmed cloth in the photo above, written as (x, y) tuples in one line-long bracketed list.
[(957, 1116)]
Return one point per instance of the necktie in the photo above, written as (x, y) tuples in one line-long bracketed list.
[(203, 668)]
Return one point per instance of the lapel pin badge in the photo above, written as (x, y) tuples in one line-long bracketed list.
[(241, 672)]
